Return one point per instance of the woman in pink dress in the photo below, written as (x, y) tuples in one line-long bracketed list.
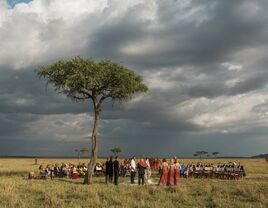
[(171, 173), (74, 174), (177, 172), (164, 173)]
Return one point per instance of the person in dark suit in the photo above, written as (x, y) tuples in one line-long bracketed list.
[(111, 169), (116, 170), (141, 170), (106, 170)]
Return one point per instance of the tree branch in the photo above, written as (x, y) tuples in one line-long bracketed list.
[(86, 93), (78, 98), (102, 99)]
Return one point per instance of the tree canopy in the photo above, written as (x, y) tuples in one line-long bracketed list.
[(82, 79), (116, 150), (215, 153), (200, 153)]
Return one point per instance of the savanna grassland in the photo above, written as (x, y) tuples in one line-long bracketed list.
[(17, 191)]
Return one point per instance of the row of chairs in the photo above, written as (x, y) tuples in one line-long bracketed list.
[(230, 175)]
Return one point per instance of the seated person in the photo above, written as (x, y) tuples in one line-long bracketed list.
[(31, 176), (81, 171), (74, 174), (48, 173), (182, 169), (98, 169), (42, 172)]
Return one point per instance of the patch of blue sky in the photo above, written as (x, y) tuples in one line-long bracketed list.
[(12, 3)]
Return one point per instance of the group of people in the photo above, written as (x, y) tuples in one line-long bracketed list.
[(230, 170), (152, 164), (68, 170), (112, 168), (169, 172), (143, 168)]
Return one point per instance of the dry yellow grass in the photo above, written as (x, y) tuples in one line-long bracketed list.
[(16, 191)]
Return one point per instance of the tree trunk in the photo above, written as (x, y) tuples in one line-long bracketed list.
[(94, 146)]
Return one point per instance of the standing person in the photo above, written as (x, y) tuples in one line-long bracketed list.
[(171, 173), (107, 170), (133, 169), (111, 169), (116, 170), (154, 164), (141, 170), (164, 173), (182, 169), (147, 171), (157, 164), (177, 172)]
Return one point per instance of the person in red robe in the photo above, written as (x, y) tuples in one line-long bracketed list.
[(141, 170), (157, 164), (151, 163), (177, 171), (171, 173), (154, 164), (164, 173)]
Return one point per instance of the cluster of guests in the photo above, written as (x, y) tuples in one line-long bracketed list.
[(64, 170), (225, 170), (229, 170), (169, 171), (155, 163)]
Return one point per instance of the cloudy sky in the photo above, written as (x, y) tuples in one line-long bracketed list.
[(205, 63)]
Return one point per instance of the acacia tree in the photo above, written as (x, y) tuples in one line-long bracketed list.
[(83, 79), (116, 150), (195, 155), (200, 153), (84, 150), (215, 153)]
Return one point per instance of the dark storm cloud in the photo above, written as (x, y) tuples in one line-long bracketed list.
[(185, 50), (217, 87), (10, 126), (225, 30), (23, 92), (254, 82)]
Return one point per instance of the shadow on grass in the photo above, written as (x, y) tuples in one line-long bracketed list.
[(13, 173), (78, 181), (67, 180)]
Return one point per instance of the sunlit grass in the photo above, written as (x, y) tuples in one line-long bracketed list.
[(17, 191)]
